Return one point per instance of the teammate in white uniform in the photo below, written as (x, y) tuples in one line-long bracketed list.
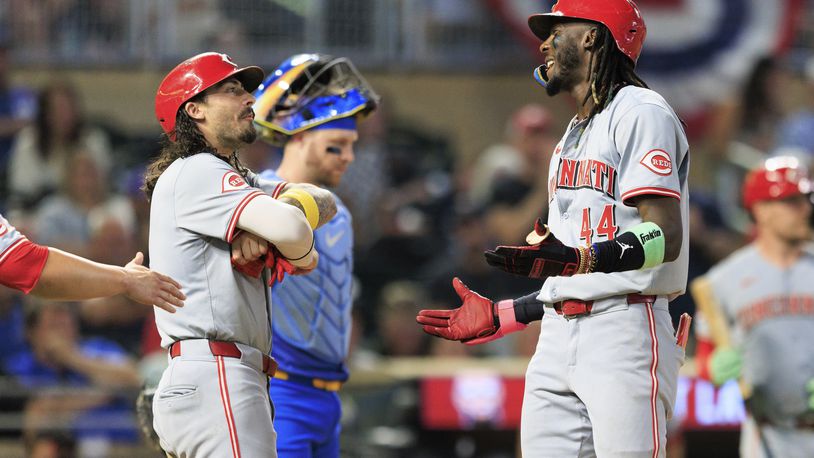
[(603, 379), (50, 273), (763, 295), (212, 400)]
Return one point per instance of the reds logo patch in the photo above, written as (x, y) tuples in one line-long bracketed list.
[(3, 229), (658, 162), (232, 182)]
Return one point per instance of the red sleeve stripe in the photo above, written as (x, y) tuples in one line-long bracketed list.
[(21, 265), (278, 189), (11, 248), (230, 230), (651, 191)]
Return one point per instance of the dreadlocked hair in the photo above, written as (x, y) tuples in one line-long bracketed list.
[(609, 71)]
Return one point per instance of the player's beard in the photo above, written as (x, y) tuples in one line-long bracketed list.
[(244, 137), (248, 136), (565, 78)]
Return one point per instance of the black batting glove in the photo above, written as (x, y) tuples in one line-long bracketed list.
[(544, 257)]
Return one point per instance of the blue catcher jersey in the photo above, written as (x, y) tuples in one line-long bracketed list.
[(312, 313)]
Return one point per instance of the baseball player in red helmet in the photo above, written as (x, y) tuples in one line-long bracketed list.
[(756, 309), (213, 399), (614, 252)]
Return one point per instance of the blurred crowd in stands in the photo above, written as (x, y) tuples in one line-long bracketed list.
[(421, 216)]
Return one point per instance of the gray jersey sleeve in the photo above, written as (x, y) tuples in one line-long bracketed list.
[(209, 197), (650, 140), (272, 187)]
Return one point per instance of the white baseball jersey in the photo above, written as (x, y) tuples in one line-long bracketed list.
[(604, 384), (771, 313), (636, 146), (195, 207)]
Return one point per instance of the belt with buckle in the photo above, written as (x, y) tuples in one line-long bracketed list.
[(327, 385), (229, 350), (575, 308)]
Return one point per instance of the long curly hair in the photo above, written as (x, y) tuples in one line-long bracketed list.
[(189, 141)]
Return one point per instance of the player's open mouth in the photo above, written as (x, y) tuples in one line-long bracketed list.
[(548, 64)]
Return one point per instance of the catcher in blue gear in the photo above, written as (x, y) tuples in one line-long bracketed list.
[(310, 106)]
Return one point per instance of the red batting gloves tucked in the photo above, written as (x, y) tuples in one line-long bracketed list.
[(277, 264)]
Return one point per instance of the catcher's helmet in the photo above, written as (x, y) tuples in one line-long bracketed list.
[(778, 178), (621, 17), (193, 76), (308, 90)]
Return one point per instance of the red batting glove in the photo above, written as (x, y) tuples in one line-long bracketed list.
[(547, 258), (251, 269), (473, 322), (279, 266)]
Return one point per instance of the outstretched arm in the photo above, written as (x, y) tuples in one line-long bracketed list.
[(478, 319), (70, 277)]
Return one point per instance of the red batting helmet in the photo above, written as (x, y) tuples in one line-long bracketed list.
[(193, 76), (778, 178), (621, 17)]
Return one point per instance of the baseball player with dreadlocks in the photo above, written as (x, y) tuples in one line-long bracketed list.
[(310, 106), (603, 379), (758, 308), (212, 399)]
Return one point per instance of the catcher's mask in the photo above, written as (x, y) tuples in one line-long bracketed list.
[(308, 90)]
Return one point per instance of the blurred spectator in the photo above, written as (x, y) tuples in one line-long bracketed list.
[(17, 107), (797, 130), (464, 259), (367, 176), (115, 318), (59, 359), (399, 191), (528, 141), (755, 121), (64, 219), (511, 177), (42, 151), (762, 108), (11, 323), (51, 444), (91, 28), (262, 21), (399, 304)]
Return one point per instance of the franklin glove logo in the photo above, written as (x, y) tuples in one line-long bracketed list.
[(650, 236)]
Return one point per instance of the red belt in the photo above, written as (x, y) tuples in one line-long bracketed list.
[(230, 350), (574, 308)]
